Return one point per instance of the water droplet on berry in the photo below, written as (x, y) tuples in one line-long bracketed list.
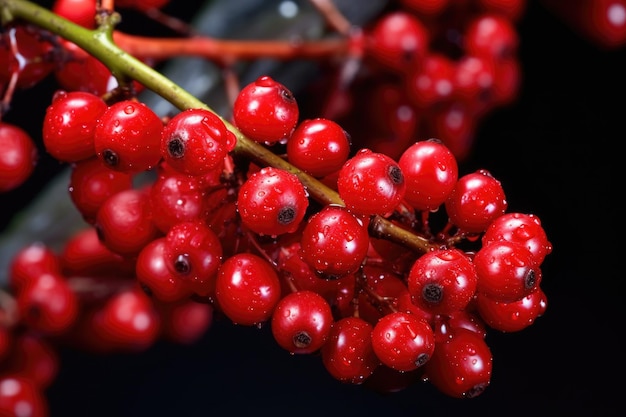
[(129, 109)]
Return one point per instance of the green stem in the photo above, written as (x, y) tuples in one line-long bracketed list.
[(99, 43)]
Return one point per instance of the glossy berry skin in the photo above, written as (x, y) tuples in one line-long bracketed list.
[(92, 183), (430, 172), (247, 289), (186, 321), (20, 395), (155, 277), (124, 222), (348, 354), (442, 281), (398, 41), (301, 322), (127, 321), (29, 262), (514, 316), (492, 36), (521, 228), (81, 12), (272, 202), (403, 341), (18, 158), (69, 125), (433, 82), (319, 147), (266, 111), (334, 242), (371, 183), (196, 141), (507, 271), (24, 52), (83, 72), (193, 254), (48, 304), (476, 200), (461, 365), (128, 137)]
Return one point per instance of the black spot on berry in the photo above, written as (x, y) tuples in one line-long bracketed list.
[(287, 95), (432, 293), (422, 359), (395, 174), (302, 340), (110, 158), (286, 215), (530, 279), (182, 264), (176, 147)]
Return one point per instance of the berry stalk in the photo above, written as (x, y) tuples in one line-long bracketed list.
[(124, 66)]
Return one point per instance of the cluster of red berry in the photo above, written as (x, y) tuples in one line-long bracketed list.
[(383, 263)]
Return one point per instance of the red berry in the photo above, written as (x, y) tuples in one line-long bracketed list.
[(461, 364), (430, 171), (81, 12), (196, 141), (186, 321), (318, 146), (266, 111), (83, 72), (272, 202), (514, 316), (247, 289), (18, 157), (398, 41), (92, 183), (371, 183), (403, 341), (124, 222), (25, 53), (492, 36), (20, 396), (442, 281), (30, 261), (48, 304), (70, 123), (34, 356), (348, 354), (301, 322), (507, 271), (476, 200), (155, 276), (521, 228), (334, 242), (128, 137), (433, 82), (193, 254)]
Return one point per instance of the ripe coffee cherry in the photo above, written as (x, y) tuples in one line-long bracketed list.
[(513, 316), (92, 183), (371, 183), (442, 281), (247, 289), (522, 228), (19, 395), (70, 123), (319, 147), (272, 202), (461, 364), (196, 141), (430, 171), (398, 41), (476, 200), (266, 111), (507, 271), (193, 254), (348, 354), (47, 304), (124, 222), (128, 137), (18, 157), (301, 322), (334, 242), (403, 341), (155, 276)]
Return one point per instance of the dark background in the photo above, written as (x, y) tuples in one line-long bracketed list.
[(556, 151)]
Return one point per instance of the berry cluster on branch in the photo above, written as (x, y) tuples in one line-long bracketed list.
[(378, 256)]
